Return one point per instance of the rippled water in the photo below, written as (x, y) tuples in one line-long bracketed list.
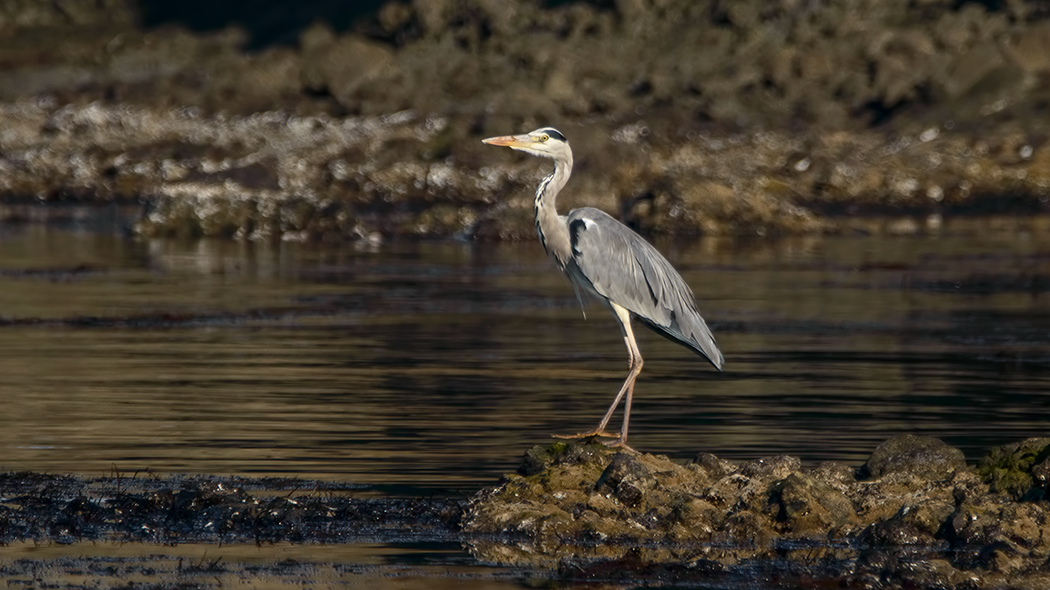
[(432, 366)]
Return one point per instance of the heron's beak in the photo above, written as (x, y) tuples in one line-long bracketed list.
[(511, 141)]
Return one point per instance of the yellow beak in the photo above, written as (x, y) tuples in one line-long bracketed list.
[(511, 141)]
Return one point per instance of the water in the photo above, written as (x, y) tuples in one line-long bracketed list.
[(430, 367), (434, 365)]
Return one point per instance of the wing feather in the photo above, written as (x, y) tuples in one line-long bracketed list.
[(619, 265)]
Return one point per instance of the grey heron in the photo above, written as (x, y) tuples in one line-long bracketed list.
[(604, 258)]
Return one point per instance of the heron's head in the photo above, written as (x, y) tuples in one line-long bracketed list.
[(546, 142)]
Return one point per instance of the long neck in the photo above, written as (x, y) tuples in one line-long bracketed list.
[(554, 234)]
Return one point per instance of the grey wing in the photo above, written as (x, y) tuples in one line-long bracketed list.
[(622, 267)]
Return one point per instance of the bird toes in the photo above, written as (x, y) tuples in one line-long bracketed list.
[(619, 443), (590, 434)]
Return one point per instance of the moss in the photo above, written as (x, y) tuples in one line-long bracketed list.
[(568, 510), (1009, 468), (539, 459)]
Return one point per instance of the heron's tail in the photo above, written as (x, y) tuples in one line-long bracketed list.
[(690, 330), (703, 342)]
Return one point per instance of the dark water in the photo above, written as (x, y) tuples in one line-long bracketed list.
[(435, 365), (421, 368)]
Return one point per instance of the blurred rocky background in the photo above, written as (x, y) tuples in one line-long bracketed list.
[(323, 119)]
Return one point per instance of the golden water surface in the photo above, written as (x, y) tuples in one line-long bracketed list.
[(434, 365)]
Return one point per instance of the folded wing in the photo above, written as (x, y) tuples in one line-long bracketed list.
[(621, 266)]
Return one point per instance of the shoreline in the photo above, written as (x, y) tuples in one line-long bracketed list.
[(913, 513), (276, 176)]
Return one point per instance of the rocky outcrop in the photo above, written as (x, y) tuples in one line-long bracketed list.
[(913, 514), (684, 64), (275, 175), (743, 117), (1021, 470), (734, 62)]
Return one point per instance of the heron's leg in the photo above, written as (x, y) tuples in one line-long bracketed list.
[(635, 366), (635, 363)]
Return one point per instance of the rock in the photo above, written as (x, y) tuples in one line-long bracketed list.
[(790, 121), (540, 458), (345, 67), (712, 465), (23, 15), (1019, 469), (765, 63), (975, 67), (926, 519), (925, 457), (627, 477), (275, 175), (811, 508), (700, 519), (1041, 475), (914, 524), (838, 475), (1031, 49), (768, 468)]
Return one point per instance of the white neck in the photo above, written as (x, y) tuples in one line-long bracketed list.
[(554, 234)]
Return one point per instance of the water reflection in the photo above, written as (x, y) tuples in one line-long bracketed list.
[(435, 365), (406, 566)]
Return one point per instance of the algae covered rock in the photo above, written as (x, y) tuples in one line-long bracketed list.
[(1019, 469), (921, 518), (539, 458), (587, 491)]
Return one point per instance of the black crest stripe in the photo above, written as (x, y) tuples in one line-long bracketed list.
[(551, 131)]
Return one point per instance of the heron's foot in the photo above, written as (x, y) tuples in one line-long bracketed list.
[(588, 435), (619, 443)]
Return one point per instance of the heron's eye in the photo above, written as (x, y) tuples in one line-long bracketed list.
[(544, 138)]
